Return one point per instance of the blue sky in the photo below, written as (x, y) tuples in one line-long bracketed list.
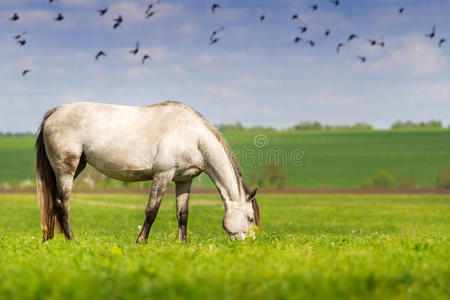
[(255, 74)]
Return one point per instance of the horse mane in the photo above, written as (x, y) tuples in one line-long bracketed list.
[(219, 137)]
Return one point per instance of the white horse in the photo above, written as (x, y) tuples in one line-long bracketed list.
[(163, 142)]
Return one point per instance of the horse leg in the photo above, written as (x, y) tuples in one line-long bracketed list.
[(183, 190), (65, 169), (159, 186)]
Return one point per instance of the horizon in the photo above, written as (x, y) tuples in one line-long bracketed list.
[(243, 76)]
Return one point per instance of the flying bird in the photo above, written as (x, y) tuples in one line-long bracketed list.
[(335, 2), (382, 42), (102, 12), (338, 48), (51, 1), (99, 54), (314, 7), (372, 42), (214, 7), (432, 34), (117, 21), (441, 42), (311, 43), (25, 72), (150, 14), (351, 37), (146, 56), (327, 33), (136, 49), (401, 10), (262, 18), (59, 18), (294, 17), (303, 29), (15, 17), (214, 40), (297, 39), (215, 32), (362, 58), (19, 35), (150, 6), (22, 42)]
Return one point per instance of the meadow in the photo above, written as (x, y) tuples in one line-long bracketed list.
[(309, 246), (324, 159)]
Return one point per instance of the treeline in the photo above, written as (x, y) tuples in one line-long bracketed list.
[(16, 134), (303, 126), (317, 126)]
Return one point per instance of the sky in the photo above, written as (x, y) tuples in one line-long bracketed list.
[(254, 74)]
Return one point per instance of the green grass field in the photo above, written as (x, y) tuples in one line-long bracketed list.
[(310, 247), (329, 159)]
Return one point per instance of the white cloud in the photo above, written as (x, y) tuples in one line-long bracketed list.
[(188, 29), (80, 3), (416, 55), (224, 92), (428, 92)]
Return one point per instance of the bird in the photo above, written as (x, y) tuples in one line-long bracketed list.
[(351, 37), (214, 33), (362, 58), (59, 18), (214, 7), (25, 72), (150, 6), (214, 40), (401, 10), (15, 17), (102, 12), (262, 17), (150, 14), (432, 34), (22, 42), (99, 54), (311, 43), (314, 7), (327, 33), (303, 29), (19, 35), (297, 39), (136, 49), (372, 42), (338, 48), (382, 42), (118, 21), (335, 2), (145, 57), (51, 1), (441, 42), (294, 17)]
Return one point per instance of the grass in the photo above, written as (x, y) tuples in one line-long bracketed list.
[(310, 246), (329, 160)]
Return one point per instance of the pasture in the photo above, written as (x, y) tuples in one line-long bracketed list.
[(329, 159), (310, 246)]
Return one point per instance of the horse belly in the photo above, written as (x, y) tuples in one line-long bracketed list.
[(123, 164)]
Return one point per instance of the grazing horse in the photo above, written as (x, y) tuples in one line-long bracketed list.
[(163, 142)]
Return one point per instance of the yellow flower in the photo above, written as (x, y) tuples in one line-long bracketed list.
[(116, 250)]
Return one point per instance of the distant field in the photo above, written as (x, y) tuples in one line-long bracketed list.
[(309, 247), (329, 159)]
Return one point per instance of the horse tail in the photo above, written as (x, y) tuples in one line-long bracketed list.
[(46, 184)]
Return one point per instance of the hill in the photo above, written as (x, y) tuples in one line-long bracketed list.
[(308, 159)]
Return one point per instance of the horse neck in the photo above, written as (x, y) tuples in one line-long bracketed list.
[(220, 170)]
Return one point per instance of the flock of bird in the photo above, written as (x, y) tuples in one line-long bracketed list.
[(215, 35)]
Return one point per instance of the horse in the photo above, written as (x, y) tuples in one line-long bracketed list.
[(163, 142)]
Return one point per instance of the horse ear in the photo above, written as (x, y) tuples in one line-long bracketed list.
[(252, 194)]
